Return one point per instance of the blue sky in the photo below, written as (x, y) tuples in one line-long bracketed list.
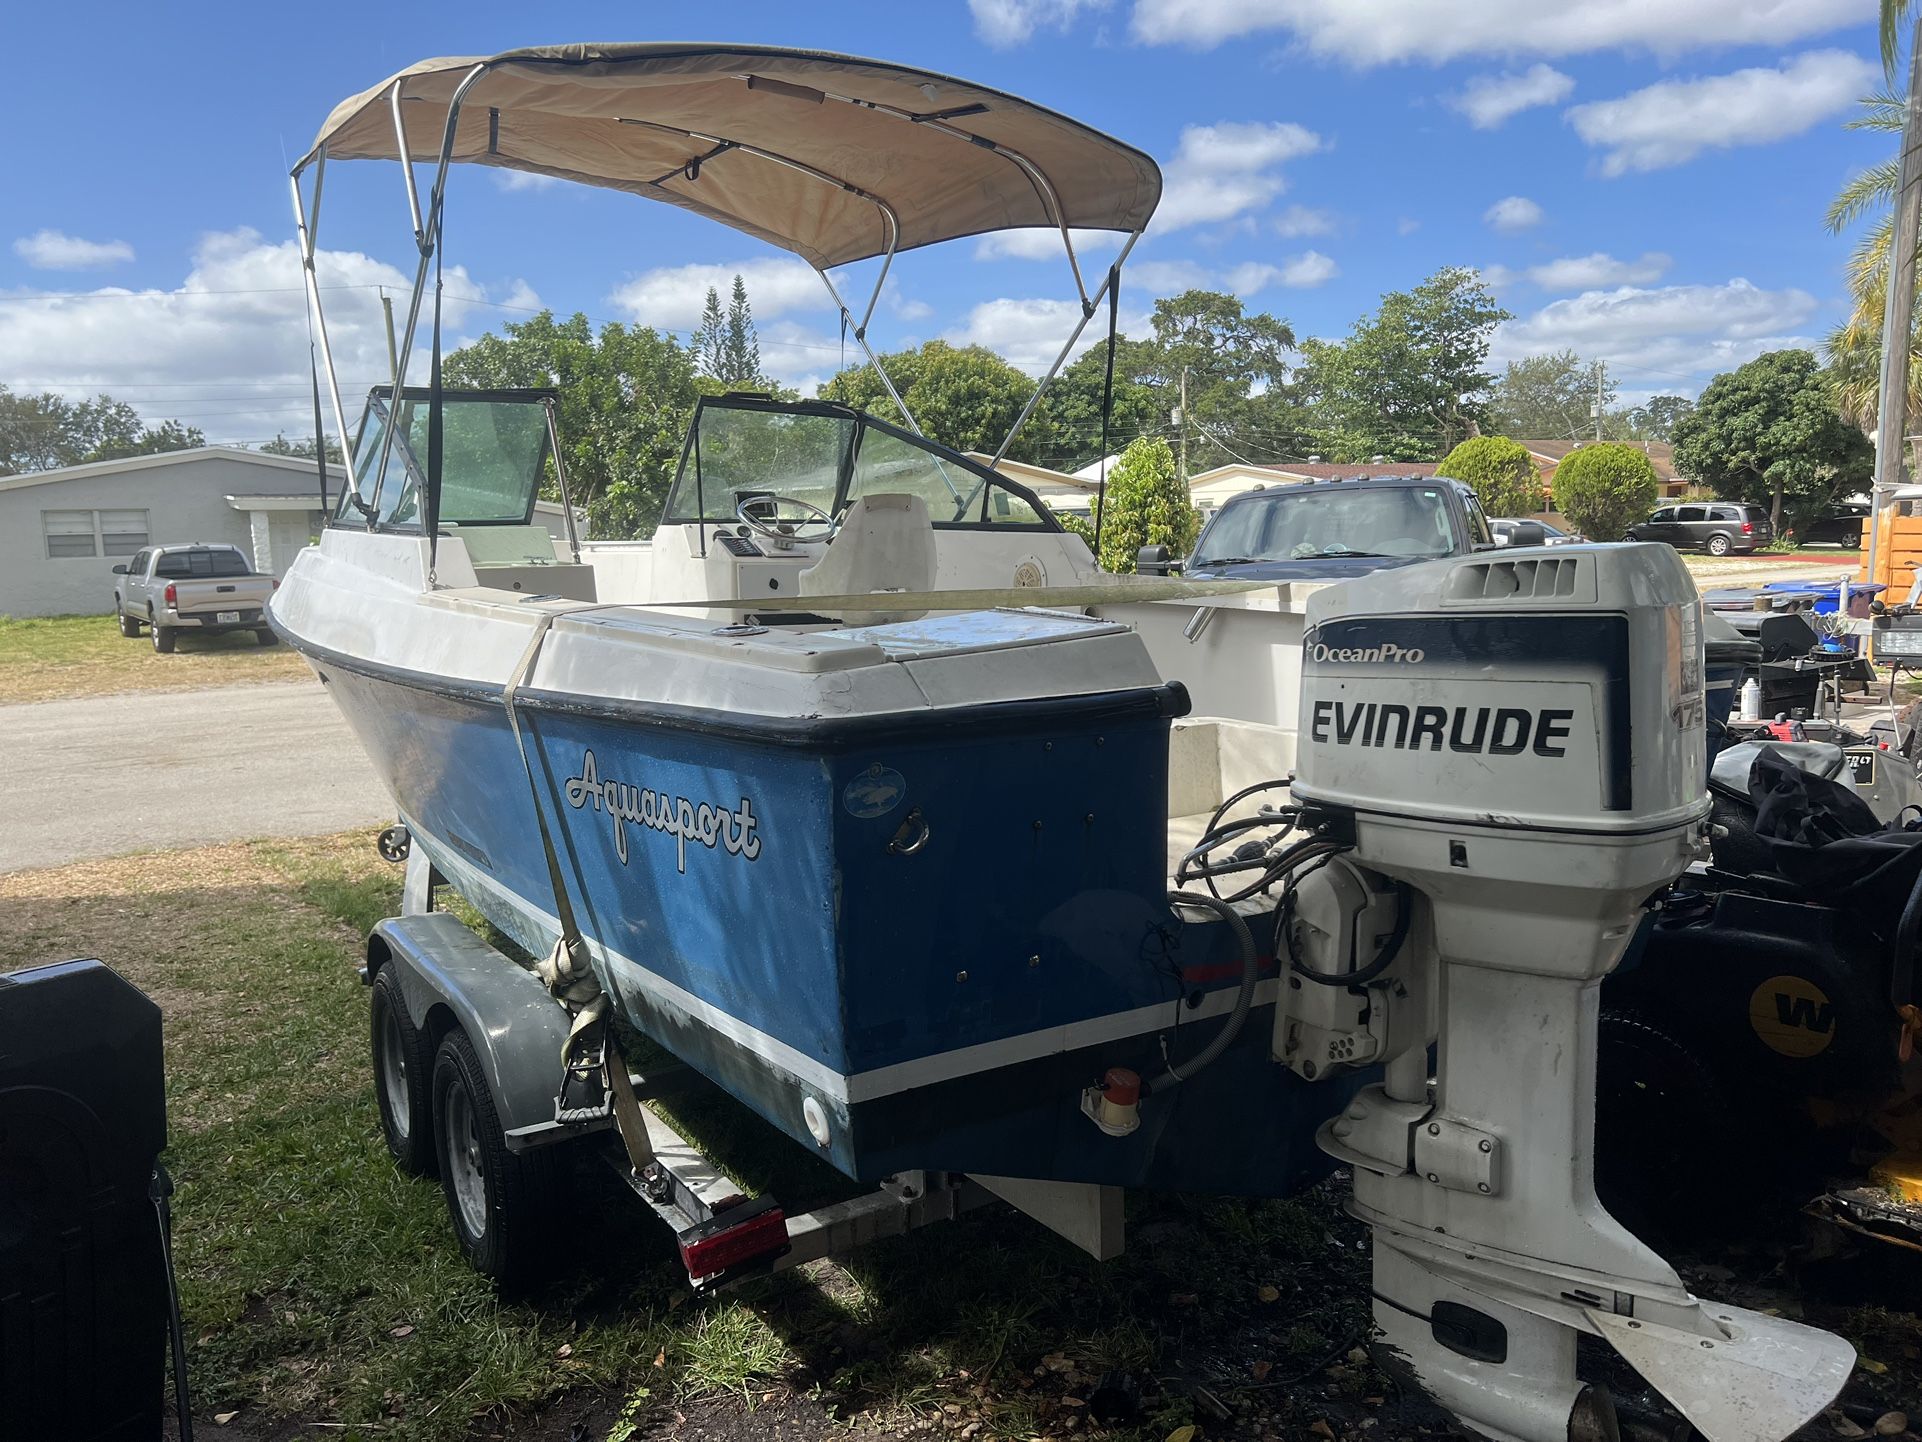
[(1642, 182)]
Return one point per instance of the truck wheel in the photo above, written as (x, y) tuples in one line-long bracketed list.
[(1852, 539), (1718, 545), (403, 1065), (497, 1199), (128, 626), (163, 639), (265, 635)]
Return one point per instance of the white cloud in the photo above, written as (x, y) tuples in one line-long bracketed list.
[(1514, 212), (1030, 333), (227, 349), (1300, 220), (53, 250), (1166, 277), (1221, 171), (1590, 272), (1042, 243), (1407, 225), (1378, 32), (1489, 100), (671, 296), (1666, 331), (1675, 120), (1310, 268), (1005, 23), (512, 180)]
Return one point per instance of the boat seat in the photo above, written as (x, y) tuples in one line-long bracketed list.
[(886, 543)]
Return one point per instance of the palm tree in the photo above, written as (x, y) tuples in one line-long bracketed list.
[(1855, 346)]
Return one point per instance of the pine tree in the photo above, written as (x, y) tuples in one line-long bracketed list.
[(710, 341), (741, 350)]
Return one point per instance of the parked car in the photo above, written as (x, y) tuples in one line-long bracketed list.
[(205, 588), (1843, 525), (1718, 527), (1504, 529), (1331, 530)]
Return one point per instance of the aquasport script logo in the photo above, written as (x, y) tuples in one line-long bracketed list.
[(684, 820)]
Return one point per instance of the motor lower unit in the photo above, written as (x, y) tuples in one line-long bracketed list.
[(1511, 750)]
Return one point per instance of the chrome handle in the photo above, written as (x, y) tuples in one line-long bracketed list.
[(914, 822)]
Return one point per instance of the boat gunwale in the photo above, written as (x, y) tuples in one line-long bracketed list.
[(1166, 701)]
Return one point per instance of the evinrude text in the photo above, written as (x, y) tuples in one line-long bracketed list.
[(1487, 730), (679, 817)]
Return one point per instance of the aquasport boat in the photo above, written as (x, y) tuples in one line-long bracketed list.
[(814, 793)]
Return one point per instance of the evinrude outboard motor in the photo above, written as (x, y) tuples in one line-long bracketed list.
[(1505, 755)]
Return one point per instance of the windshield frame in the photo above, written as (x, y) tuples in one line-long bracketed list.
[(955, 468), (414, 470)]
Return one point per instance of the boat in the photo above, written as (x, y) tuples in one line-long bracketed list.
[(860, 790)]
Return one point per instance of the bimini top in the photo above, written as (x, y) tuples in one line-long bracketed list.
[(832, 157)]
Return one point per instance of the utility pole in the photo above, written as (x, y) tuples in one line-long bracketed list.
[(393, 357), (1182, 421), (1600, 370), (1899, 309)]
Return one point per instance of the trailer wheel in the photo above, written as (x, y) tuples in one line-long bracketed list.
[(403, 1068), (163, 639), (497, 1199)]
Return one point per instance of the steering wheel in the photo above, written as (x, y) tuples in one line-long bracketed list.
[(770, 524)]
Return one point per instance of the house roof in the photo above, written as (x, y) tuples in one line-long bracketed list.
[(300, 473), (1660, 454), (1295, 472), (1034, 475)]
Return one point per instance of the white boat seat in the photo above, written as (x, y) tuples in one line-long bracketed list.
[(886, 543)]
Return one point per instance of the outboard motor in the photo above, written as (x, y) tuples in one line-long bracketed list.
[(1505, 757), (83, 1278)]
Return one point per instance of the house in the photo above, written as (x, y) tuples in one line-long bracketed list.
[(1057, 490), (1661, 455), (63, 531), (1223, 483)]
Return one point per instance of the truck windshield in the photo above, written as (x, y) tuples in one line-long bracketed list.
[(211, 561), (1330, 520)]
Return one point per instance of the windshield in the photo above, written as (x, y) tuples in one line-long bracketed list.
[(493, 458), (1329, 520), (743, 447)]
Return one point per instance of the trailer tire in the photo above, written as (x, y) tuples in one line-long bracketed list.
[(266, 637), (403, 1073), (497, 1199), (163, 639)]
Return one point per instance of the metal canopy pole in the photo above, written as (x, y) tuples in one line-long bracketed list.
[(1899, 310), (307, 229), (427, 237), (1087, 314), (560, 481)]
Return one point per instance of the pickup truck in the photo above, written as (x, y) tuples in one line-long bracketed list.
[(204, 588)]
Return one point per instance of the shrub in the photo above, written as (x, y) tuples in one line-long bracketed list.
[(1501, 472), (1147, 505), (1081, 525), (1605, 488)]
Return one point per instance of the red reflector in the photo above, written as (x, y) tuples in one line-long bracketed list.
[(746, 1241), (1747, 528), (172, 595)]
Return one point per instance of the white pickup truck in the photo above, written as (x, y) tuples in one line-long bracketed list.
[(203, 588)]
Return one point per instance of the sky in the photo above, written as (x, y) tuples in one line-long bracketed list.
[(1642, 182)]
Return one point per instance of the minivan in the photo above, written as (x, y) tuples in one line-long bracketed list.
[(1718, 527)]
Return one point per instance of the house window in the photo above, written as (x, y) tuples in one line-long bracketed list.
[(81, 534)]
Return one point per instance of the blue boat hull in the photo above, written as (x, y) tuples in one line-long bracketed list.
[(759, 905)]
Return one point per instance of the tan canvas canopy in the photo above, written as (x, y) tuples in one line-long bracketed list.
[(824, 155)]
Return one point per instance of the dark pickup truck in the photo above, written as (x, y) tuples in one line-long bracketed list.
[(1332, 530)]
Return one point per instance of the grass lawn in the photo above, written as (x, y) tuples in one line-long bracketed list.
[(323, 1288), (48, 658)]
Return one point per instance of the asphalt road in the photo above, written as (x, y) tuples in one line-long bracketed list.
[(105, 775)]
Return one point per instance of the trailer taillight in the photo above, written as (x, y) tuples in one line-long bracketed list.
[(172, 595), (719, 1245)]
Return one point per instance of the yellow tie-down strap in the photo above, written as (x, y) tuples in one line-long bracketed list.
[(1114, 592)]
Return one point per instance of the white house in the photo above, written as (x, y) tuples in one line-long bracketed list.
[(63, 531)]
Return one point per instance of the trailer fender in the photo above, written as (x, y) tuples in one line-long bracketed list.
[(517, 1029)]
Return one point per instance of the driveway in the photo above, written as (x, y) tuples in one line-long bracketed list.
[(109, 774)]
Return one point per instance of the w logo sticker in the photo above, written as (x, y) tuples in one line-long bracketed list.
[(1792, 1016)]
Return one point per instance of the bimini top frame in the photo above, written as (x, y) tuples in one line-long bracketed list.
[(835, 158)]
